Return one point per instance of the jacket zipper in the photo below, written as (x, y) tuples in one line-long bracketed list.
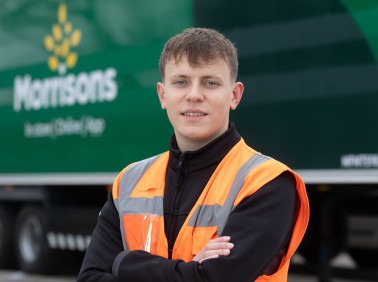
[(181, 160), (176, 202)]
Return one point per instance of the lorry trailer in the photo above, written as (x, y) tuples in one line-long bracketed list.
[(78, 103)]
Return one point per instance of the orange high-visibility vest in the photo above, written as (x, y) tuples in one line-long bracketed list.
[(138, 196)]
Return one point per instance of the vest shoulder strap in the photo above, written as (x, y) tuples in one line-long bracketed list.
[(129, 177)]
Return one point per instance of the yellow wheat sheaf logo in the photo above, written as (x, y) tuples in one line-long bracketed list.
[(60, 43)]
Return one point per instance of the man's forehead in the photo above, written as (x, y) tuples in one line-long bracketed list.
[(199, 62), (214, 66)]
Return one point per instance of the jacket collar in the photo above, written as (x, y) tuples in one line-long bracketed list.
[(208, 155)]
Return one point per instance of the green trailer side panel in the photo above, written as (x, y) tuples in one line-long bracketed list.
[(311, 78), (309, 69), (96, 112)]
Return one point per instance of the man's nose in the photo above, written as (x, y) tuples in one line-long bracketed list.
[(195, 93)]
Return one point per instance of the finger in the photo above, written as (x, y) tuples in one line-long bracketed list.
[(219, 246), (206, 254), (213, 254), (215, 248), (220, 252), (221, 239), (220, 242)]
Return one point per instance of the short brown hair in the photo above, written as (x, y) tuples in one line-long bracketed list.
[(200, 45)]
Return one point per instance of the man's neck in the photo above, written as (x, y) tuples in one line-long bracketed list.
[(192, 145), (185, 144)]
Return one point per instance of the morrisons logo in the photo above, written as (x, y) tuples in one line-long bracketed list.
[(61, 43), (65, 89)]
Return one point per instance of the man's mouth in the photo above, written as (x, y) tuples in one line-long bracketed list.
[(194, 114)]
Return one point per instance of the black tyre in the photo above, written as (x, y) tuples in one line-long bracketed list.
[(7, 218), (32, 250)]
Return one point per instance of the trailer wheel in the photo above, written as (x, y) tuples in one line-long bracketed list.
[(32, 250), (7, 257)]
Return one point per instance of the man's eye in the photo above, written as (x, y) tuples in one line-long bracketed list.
[(180, 83), (211, 83)]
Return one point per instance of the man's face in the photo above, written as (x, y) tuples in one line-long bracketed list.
[(198, 101)]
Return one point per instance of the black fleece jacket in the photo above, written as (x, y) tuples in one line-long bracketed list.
[(260, 226)]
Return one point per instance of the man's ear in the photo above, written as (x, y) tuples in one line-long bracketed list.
[(237, 93), (161, 92)]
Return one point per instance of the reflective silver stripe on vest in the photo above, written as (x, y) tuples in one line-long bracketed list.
[(126, 205), (217, 215)]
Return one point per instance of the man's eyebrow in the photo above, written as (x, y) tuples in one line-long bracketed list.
[(177, 76), (187, 77), (211, 76)]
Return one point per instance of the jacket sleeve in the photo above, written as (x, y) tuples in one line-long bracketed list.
[(259, 227), (105, 245)]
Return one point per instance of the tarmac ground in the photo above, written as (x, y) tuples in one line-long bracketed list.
[(344, 269), (18, 276)]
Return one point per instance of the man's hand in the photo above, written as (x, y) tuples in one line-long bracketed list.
[(214, 248)]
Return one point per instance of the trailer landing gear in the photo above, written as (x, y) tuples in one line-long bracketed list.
[(7, 258)]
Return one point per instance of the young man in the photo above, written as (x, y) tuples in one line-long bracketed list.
[(210, 209)]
